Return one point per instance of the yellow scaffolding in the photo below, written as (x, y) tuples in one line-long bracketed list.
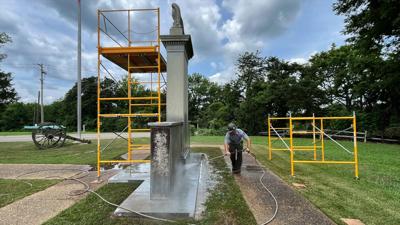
[(314, 147), (133, 56)]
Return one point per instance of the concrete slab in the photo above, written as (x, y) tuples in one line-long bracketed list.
[(352, 221), (138, 154), (183, 201), (40, 171), (131, 173), (298, 185)]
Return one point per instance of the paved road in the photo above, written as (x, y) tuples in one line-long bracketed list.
[(22, 138)]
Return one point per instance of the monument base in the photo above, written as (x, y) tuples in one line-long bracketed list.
[(186, 201)]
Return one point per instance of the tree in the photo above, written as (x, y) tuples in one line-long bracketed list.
[(250, 86), (16, 115), (4, 38), (202, 93), (372, 24), (7, 92), (250, 70), (89, 103), (374, 27)]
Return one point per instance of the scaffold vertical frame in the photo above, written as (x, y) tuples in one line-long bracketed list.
[(133, 56)]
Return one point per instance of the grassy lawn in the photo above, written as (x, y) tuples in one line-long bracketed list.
[(374, 198), (219, 140), (26, 152), (13, 190), (225, 205), (11, 133), (92, 210)]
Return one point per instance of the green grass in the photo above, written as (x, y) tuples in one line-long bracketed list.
[(11, 133), (374, 198), (219, 140), (92, 210), (26, 152), (225, 205), (13, 190)]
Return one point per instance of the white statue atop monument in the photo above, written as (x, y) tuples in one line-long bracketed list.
[(177, 26)]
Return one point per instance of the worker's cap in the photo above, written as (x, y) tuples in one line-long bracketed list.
[(231, 126)]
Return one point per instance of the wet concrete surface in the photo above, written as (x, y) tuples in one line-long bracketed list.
[(182, 202), (136, 172), (293, 208)]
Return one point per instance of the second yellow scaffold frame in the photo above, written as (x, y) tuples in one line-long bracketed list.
[(315, 131)]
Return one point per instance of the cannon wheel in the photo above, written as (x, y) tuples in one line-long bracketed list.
[(48, 135)]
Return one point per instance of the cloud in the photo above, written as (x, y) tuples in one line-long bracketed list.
[(47, 30), (201, 19), (298, 60), (250, 27), (224, 76), (304, 58), (255, 22)]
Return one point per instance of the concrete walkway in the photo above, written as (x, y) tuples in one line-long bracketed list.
[(43, 205), (293, 208), (22, 138)]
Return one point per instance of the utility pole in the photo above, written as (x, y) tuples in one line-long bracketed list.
[(42, 73), (79, 87), (37, 108)]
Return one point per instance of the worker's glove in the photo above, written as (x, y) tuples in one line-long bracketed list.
[(227, 153), (247, 150)]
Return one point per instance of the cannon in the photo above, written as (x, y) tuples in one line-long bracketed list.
[(51, 135)]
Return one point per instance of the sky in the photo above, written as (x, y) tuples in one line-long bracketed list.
[(45, 31)]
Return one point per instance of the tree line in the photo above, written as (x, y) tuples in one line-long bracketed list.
[(336, 82)]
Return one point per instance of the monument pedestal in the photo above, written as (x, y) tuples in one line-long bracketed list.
[(166, 144)]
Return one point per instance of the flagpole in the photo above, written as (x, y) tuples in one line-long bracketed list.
[(79, 87)]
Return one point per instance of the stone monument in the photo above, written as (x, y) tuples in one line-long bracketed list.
[(175, 132)]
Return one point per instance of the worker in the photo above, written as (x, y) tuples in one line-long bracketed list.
[(234, 146)]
